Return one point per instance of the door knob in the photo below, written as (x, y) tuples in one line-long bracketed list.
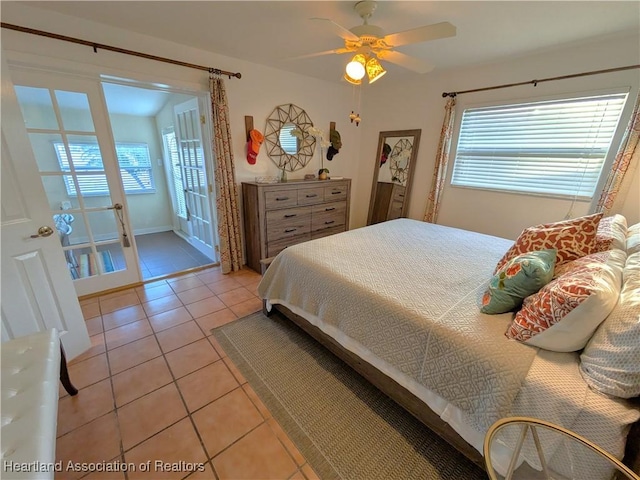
[(43, 231)]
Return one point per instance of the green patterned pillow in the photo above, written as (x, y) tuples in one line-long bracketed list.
[(520, 277)]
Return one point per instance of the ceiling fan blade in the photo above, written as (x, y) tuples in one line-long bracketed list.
[(339, 30), (319, 54), (411, 63), (421, 34)]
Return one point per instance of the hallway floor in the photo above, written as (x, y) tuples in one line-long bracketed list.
[(156, 387), (165, 253)]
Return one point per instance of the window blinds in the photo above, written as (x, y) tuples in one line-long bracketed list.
[(553, 147)]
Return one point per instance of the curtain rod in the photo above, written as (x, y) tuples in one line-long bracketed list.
[(102, 46), (536, 82)]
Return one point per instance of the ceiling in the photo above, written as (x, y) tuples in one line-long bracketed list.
[(268, 32)]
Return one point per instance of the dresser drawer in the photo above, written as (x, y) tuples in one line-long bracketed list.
[(280, 199), (395, 211), (288, 222), (275, 247), (335, 192), (328, 215), (398, 194), (328, 231), (308, 196)]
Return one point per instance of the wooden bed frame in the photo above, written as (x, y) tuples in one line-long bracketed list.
[(417, 407)]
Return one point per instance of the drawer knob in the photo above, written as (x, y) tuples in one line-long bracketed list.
[(336, 192), (289, 230), (330, 209), (290, 215), (280, 199), (329, 222), (311, 195)]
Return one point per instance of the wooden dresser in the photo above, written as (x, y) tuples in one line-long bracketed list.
[(389, 202), (277, 215)]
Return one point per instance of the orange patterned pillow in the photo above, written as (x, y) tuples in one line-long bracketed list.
[(572, 239), (563, 315)]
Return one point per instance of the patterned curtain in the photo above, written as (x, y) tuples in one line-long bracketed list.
[(442, 160), (225, 176), (626, 161)]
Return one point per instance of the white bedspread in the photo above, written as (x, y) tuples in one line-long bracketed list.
[(404, 295)]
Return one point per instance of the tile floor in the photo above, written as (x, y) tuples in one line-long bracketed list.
[(156, 387)]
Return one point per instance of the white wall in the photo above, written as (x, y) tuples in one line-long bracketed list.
[(386, 105), (419, 104), (149, 212)]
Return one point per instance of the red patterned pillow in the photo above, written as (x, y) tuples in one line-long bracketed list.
[(572, 239), (563, 315)]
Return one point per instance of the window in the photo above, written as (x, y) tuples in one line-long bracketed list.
[(135, 168), (554, 148), (171, 152)]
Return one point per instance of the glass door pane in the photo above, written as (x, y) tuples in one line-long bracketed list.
[(67, 127)]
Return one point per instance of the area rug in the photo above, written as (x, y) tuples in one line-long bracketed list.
[(344, 426)]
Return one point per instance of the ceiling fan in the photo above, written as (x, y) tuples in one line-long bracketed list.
[(369, 41)]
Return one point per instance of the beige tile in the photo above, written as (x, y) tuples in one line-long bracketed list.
[(191, 357), (181, 284), (247, 307), (297, 476), (89, 301), (94, 442), (97, 347), (257, 455), (206, 306), (178, 443), (118, 293), (253, 287), (150, 414), (206, 385), (195, 294), (179, 336), (140, 380), (123, 316), (90, 403), (226, 420), (133, 353), (169, 319), (246, 277), (224, 285), (217, 346), (215, 319), (162, 304), (210, 276), (89, 371), (286, 441), (235, 296), (309, 473), (127, 333), (253, 396), (203, 474), (150, 292), (116, 303), (107, 475), (90, 310), (94, 326), (236, 373)]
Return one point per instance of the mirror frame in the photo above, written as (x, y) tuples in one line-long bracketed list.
[(414, 154), (282, 115)]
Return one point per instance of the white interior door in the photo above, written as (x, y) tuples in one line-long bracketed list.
[(197, 185), (37, 291), (68, 128)]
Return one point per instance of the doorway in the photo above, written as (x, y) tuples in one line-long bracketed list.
[(169, 201)]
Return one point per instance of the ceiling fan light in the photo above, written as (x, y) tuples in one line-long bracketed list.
[(374, 70), (356, 67), (349, 79)]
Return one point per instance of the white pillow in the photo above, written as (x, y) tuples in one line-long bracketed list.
[(633, 239), (563, 315), (610, 363), (611, 233)]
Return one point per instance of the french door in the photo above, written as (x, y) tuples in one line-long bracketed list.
[(68, 127), (196, 183)]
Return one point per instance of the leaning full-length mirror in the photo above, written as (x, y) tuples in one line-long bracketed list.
[(393, 172)]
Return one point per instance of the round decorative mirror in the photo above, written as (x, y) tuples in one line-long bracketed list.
[(289, 145)]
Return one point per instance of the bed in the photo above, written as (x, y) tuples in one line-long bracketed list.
[(399, 302)]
